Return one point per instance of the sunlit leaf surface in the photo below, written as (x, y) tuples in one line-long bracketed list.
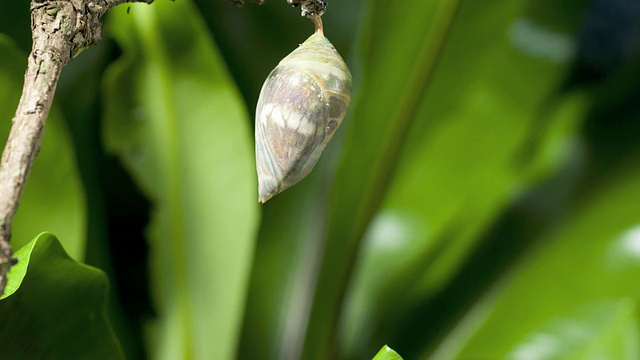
[(387, 353), (176, 121), (546, 309)]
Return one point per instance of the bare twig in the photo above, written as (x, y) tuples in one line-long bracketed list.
[(60, 30), (310, 8)]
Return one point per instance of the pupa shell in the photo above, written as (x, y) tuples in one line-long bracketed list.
[(301, 104)]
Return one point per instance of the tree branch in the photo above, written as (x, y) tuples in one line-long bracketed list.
[(310, 8), (60, 30)]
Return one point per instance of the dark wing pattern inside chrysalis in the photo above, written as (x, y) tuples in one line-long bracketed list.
[(291, 125), (301, 104)]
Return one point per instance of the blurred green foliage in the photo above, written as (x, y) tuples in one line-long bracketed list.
[(481, 200), (175, 130), (55, 307)]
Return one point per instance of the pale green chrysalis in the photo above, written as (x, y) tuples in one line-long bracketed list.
[(301, 104)]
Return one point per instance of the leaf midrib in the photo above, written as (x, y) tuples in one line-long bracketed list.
[(157, 57), (424, 68)]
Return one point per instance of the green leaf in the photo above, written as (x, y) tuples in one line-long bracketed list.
[(176, 121), (387, 353), (53, 199), (572, 289), (443, 135), (112, 201), (602, 330), (290, 241), (54, 307)]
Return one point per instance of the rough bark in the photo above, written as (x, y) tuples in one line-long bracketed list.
[(60, 30), (310, 8)]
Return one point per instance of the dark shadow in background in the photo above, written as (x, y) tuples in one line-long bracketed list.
[(117, 213)]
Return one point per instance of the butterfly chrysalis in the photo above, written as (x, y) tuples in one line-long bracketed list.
[(301, 104)]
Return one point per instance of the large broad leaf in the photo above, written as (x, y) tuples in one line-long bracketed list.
[(54, 307), (574, 295), (53, 199), (177, 123), (446, 130)]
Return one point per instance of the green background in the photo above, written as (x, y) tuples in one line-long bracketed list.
[(480, 201)]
